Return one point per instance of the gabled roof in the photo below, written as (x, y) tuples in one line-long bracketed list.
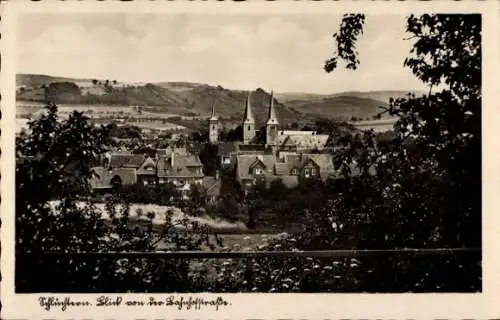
[(184, 166), (102, 177), (245, 161), (304, 141), (167, 152), (323, 161), (127, 175), (258, 162), (148, 163), (123, 160), (187, 160), (288, 142)]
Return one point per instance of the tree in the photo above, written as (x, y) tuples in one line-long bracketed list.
[(62, 92), (235, 134), (94, 82), (59, 155), (209, 158), (197, 196), (419, 187)]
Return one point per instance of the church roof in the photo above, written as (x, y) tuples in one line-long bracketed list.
[(213, 117), (272, 119), (304, 140), (248, 117)]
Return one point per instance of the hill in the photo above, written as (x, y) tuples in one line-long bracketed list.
[(343, 105), (186, 99), (38, 80), (382, 95), (195, 99), (339, 108)]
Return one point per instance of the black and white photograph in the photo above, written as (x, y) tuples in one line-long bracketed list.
[(193, 152)]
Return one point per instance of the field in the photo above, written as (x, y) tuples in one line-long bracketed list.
[(139, 211), (133, 117), (234, 235), (157, 125), (376, 125)]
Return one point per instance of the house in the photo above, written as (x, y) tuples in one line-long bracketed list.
[(146, 173), (105, 179), (251, 168), (212, 187), (170, 165), (179, 169), (291, 169), (290, 140), (225, 152), (124, 160)]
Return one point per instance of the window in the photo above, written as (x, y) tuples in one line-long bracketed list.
[(145, 182), (161, 180), (294, 171), (213, 126), (313, 171), (227, 160), (248, 128), (306, 172), (258, 170)]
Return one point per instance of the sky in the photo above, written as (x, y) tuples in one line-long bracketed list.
[(284, 53)]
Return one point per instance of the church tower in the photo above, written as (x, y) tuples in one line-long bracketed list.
[(272, 124), (213, 129), (248, 123)]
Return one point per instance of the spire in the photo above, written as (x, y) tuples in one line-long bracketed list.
[(272, 119), (248, 118), (213, 117)]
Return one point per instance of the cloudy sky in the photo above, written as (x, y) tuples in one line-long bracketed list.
[(280, 52)]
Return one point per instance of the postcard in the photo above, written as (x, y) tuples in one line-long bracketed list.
[(249, 160)]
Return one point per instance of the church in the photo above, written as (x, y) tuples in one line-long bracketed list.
[(288, 155), (275, 139)]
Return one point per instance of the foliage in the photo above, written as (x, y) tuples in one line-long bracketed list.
[(234, 134), (209, 158), (351, 27), (62, 92), (58, 155), (425, 189), (125, 132)]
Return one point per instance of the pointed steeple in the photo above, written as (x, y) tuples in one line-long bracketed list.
[(248, 118), (272, 119), (213, 117)]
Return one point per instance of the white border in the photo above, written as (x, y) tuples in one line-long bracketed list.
[(255, 306)]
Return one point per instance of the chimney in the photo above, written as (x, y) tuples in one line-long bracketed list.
[(172, 159)]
